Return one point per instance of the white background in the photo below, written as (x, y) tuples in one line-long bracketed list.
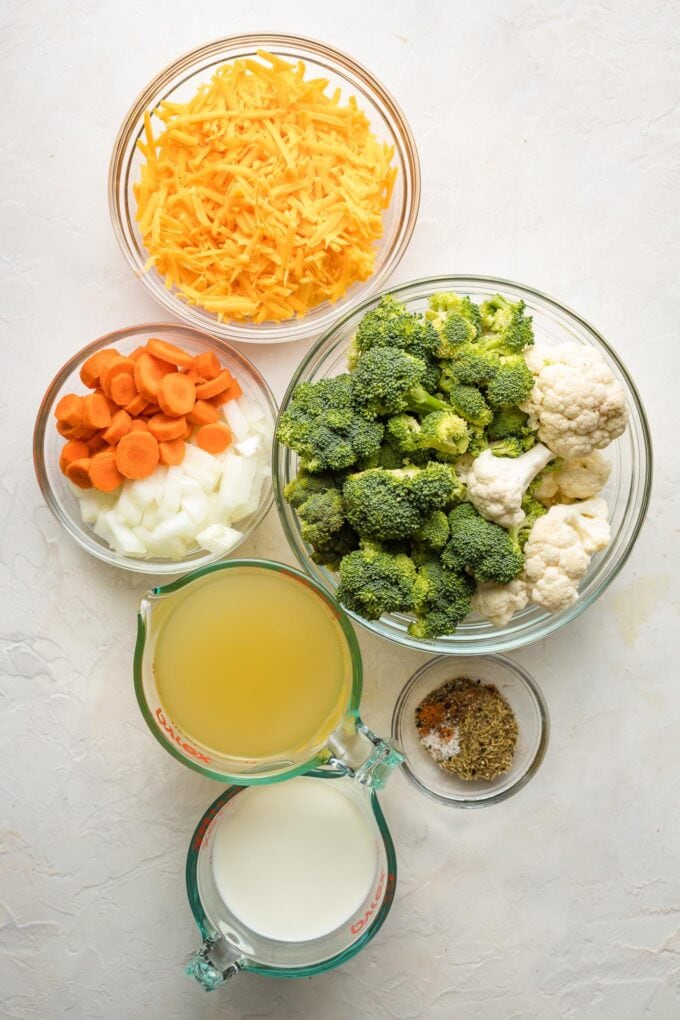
[(549, 139)]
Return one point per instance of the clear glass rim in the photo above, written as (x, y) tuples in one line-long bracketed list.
[(370, 930), (551, 622), (536, 695), (150, 566), (352, 709), (294, 329)]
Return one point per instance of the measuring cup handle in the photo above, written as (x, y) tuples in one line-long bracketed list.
[(213, 964), (363, 755)]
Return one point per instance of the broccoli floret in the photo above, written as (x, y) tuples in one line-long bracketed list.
[(484, 549), (445, 432), (470, 365), (321, 516), (387, 381), (511, 330), (441, 431), (467, 401), (443, 306), (512, 383), (303, 486), (456, 319), (508, 421), (454, 331), (478, 442), (441, 599), (512, 446), (330, 552), (434, 531), (387, 505), (390, 324), (373, 582), (509, 434), (435, 487), (317, 500), (403, 432), (378, 503), (323, 427), (533, 510)]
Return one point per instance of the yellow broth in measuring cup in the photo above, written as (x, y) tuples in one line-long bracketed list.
[(246, 669)]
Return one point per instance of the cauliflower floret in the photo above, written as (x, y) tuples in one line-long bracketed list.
[(496, 485), (558, 550), (576, 405), (579, 478), (498, 602)]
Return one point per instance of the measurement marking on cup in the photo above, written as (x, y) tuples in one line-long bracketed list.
[(187, 748), (375, 903)]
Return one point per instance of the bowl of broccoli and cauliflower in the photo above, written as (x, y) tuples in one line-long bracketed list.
[(464, 463)]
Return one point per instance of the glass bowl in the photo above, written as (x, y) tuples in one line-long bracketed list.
[(627, 491), (178, 82), (47, 442), (526, 701)]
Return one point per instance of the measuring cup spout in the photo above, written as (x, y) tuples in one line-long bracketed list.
[(214, 963), (361, 754)]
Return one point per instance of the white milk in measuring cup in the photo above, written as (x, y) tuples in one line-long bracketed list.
[(289, 879)]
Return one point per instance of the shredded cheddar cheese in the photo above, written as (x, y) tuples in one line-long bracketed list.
[(262, 196)]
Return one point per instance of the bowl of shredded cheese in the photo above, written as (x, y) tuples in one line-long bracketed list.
[(261, 185)]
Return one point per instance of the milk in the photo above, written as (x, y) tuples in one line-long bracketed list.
[(295, 860)]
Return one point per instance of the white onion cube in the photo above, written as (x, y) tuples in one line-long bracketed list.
[(218, 538), (236, 420)]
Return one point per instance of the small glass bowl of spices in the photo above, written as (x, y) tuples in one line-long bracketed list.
[(473, 733)]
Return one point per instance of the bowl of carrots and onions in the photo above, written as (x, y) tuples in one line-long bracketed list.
[(152, 448)]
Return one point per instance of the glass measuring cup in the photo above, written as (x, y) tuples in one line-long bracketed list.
[(230, 945), (341, 742)]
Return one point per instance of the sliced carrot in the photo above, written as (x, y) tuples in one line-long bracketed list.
[(120, 424), (91, 370), (113, 406), (69, 409), (75, 449), (233, 393), (214, 386), (137, 353), (104, 474), (208, 365), (193, 374), (204, 413), (165, 428), (123, 389), (139, 425), (213, 438), (75, 431), (124, 366), (78, 472), (148, 374), (137, 454), (136, 406), (151, 409), (96, 443), (176, 395), (96, 412), (188, 432), (103, 375), (172, 451), (168, 352)]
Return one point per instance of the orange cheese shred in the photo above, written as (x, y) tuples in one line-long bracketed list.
[(262, 196)]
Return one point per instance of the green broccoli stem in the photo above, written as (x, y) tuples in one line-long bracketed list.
[(422, 402)]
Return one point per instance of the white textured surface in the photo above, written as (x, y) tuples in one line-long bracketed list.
[(549, 140)]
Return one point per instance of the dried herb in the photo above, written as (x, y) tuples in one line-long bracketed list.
[(468, 728)]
